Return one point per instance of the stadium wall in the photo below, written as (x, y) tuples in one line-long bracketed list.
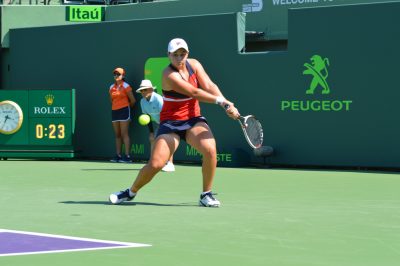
[(267, 19), (330, 100), (102, 47)]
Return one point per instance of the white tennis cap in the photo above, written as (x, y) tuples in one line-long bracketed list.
[(176, 44)]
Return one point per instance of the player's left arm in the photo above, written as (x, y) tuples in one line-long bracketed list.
[(205, 82), (209, 86)]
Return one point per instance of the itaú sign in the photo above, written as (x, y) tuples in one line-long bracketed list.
[(85, 13)]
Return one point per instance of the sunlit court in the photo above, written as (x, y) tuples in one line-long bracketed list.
[(191, 133), (268, 216)]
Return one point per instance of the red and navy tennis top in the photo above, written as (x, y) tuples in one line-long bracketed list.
[(178, 106)]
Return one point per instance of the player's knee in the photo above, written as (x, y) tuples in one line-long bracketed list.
[(156, 165), (210, 152)]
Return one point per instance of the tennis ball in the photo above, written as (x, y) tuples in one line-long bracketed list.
[(144, 119)]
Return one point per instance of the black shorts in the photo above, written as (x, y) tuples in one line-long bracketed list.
[(123, 114), (179, 127)]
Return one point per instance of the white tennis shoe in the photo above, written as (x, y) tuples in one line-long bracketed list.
[(208, 200), (121, 196), (169, 167)]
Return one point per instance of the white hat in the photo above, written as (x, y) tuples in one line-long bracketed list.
[(176, 44), (145, 84)]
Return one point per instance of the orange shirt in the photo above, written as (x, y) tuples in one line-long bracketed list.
[(119, 95)]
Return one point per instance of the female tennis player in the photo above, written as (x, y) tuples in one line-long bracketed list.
[(185, 83)]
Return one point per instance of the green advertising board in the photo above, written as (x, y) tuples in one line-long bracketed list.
[(85, 13), (153, 71), (37, 123)]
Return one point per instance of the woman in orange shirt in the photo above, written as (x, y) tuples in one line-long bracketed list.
[(122, 100)]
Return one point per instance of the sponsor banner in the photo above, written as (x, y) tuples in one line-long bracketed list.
[(85, 13), (317, 71), (299, 2)]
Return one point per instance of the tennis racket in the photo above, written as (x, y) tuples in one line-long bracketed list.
[(252, 129)]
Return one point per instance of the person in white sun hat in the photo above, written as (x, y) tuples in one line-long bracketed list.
[(184, 84), (151, 104)]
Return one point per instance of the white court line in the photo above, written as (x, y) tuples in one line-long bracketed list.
[(123, 244)]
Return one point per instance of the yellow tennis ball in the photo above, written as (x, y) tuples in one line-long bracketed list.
[(144, 119)]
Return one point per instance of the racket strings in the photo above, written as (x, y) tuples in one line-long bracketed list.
[(254, 131)]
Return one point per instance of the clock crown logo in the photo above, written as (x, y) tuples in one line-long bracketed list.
[(49, 99)]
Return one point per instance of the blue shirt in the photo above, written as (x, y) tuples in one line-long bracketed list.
[(153, 106)]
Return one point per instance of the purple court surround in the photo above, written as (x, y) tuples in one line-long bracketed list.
[(14, 243)]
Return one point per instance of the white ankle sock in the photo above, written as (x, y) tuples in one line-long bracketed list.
[(205, 192), (131, 194)]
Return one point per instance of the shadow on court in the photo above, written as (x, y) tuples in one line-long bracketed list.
[(110, 169), (185, 204)]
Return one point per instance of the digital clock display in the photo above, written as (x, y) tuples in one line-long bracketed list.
[(50, 131), (55, 131)]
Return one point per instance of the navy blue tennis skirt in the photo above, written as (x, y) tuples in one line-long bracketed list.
[(179, 127), (123, 114)]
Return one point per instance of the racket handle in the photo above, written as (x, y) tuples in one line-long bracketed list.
[(227, 106)]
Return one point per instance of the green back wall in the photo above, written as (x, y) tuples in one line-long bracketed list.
[(267, 16), (361, 73), (83, 57)]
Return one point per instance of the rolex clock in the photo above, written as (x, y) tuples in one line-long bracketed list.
[(37, 123), (11, 117)]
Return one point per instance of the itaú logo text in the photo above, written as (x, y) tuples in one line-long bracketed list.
[(317, 70)]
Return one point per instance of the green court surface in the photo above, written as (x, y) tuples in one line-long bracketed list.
[(273, 217)]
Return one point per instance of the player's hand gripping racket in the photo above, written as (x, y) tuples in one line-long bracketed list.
[(252, 129)]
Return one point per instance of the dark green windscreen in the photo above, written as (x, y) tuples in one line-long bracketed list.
[(331, 99)]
